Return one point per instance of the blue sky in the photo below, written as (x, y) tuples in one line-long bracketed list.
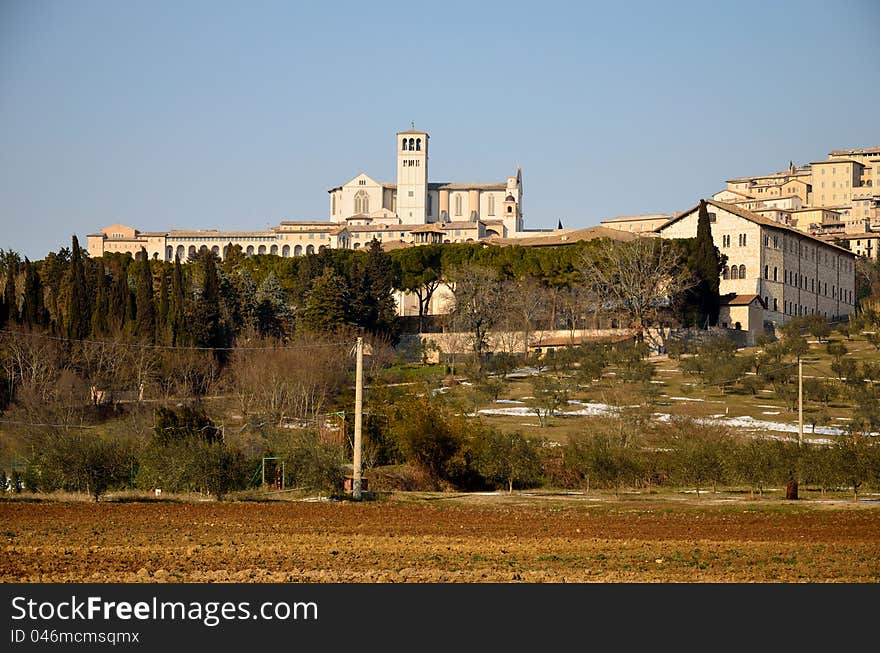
[(236, 115)]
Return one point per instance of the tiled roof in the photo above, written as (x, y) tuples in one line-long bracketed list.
[(565, 237), (864, 150), (757, 219), (740, 300)]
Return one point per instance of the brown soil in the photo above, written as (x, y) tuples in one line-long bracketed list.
[(441, 540)]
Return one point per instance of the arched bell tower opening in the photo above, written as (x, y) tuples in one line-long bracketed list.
[(412, 176)]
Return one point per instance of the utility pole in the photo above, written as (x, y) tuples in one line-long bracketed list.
[(800, 402), (358, 418)]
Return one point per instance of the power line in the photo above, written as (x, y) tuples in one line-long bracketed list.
[(134, 345)]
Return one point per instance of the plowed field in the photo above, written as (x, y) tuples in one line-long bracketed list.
[(441, 540)]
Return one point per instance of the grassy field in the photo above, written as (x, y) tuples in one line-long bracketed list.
[(678, 394)]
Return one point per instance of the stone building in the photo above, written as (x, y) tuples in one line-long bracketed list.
[(793, 273), (360, 210)]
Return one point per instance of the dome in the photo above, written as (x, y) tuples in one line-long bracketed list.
[(510, 198)]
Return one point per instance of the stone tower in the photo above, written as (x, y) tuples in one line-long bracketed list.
[(412, 176)]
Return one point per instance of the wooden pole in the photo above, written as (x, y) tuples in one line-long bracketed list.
[(358, 419), (800, 402)]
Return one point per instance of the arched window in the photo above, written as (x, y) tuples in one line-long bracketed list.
[(169, 253), (733, 273), (775, 273), (298, 250), (191, 251), (361, 202), (250, 250), (216, 250), (285, 251), (418, 145), (412, 144), (742, 271), (310, 249), (458, 205), (262, 249), (491, 204), (510, 209), (181, 252), (403, 145), (766, 271), (726, 272), (274, 250)]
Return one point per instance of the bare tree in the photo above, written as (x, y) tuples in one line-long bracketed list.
[(294, 382), (637, 278), (478, 304)]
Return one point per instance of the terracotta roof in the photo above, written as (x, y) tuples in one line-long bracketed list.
[(863, 150), (757, 219), (462, 224), (380, 227), (863, 235), (634, 218), (564, 341), (565, 237), (413, 131), (815, 163), (387, 246), (428, 228), (741, 300)]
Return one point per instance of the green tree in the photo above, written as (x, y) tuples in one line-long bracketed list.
[(509, 458), (372, 282), (207, 326), (550, 393), (705, 264), (272, 312), (33, 308), (9, 307), (163, 310), (180, 334), (325, 309), (428, 436), (100, 325), (79, 312), (420, 272), (145, 324), (119, 299)]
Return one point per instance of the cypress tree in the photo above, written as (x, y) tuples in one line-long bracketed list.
[(705, 263), (162, 315), (33, 309), (10, 299), (119, 300), (177, 306), (207, 324), (100, 321), (78, 314), (145, 321)]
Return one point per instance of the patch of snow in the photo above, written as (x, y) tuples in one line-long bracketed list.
[(687, 399), (508, 401), (770, 412)]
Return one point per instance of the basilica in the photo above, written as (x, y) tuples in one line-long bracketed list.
[(411, 210)]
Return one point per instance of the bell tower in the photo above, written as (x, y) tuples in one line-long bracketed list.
[(412, 176)]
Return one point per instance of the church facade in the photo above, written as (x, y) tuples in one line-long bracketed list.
[(414, 200)]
